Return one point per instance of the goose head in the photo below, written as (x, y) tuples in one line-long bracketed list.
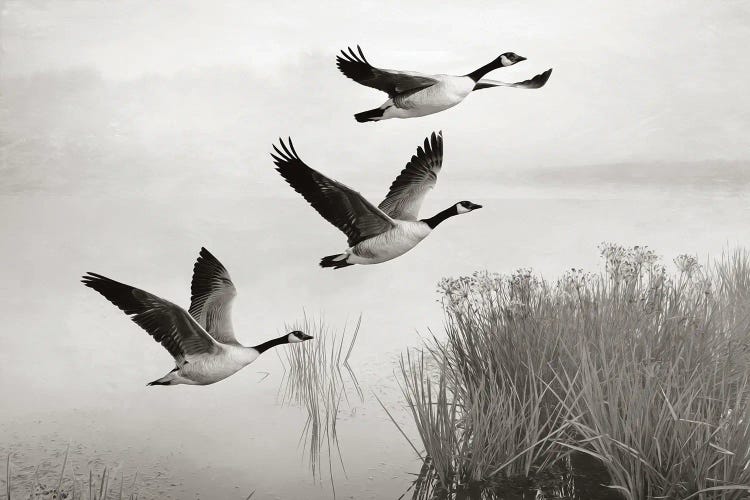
[(297, 336), (464, 207), (509, 59), (289, 338), (505, 59)]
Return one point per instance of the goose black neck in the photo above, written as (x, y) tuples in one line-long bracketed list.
[(271, 343), (477, 74), (440, 217)]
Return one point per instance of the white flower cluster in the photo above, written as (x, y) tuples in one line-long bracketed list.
[(628, 264)]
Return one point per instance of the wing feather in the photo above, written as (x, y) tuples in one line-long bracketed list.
[(354, 65), (407, 192), (338, 204), (211, 295), (534, 83), (167, 323)]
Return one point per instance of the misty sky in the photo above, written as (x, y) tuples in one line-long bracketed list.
[(134, 132), (114, 110), (219, 81)]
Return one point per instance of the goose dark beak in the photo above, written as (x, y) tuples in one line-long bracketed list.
[(474, 206), (521, 58)]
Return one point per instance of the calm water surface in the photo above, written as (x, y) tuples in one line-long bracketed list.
[(73, 368)]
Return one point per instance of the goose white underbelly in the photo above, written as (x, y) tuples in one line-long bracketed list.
[(389, 245), (206, 369), (450, 91)]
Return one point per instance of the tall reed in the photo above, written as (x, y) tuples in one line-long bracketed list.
[(663, 377), (648, 371)]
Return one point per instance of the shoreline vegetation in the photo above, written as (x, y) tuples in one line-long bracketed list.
[(91, 486), (636, 378), (644, 370)]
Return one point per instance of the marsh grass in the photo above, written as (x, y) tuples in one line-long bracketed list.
[(645, 370), (319, 378), (71, 486)]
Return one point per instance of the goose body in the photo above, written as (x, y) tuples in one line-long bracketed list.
[(206, 369), (448, 91), (375, 234), (413, 94), (202, 340), (395, 242)]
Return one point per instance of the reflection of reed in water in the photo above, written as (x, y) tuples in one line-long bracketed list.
[(558, 485), (318, 377)]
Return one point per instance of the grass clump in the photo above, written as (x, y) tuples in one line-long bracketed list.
[(91, 486), (646, 370)]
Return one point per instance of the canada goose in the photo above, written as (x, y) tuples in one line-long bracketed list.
[(202, 342), (375, 234), (414, 94)]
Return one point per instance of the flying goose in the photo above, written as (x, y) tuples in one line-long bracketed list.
[(202, 341), (375, 234), (414, 94)]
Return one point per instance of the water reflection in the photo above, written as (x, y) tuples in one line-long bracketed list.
[(577, 477), (64, 336), (319, 379)]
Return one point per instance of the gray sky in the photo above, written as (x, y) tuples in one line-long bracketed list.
[(134, 132), (633, 81), (158, 117)]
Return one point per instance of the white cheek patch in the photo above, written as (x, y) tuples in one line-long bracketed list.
[(293, 338), (462, 209), (505, 61)]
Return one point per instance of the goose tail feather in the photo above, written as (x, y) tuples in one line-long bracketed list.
[(336, 261), (372, 115), (159, 382), (165, 380)]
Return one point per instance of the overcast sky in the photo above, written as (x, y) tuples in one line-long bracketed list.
[(633, 81), (134, 132)]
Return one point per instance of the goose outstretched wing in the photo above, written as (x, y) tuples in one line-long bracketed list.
[(407, 192), (211, 295), (338, 204), (167, 323), (393, 82), (534, 83)]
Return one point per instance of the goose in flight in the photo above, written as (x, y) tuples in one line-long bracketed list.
[(202, 340), (412, 94), (375, 234)]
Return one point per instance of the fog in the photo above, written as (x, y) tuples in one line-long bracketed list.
[(133, 133)]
